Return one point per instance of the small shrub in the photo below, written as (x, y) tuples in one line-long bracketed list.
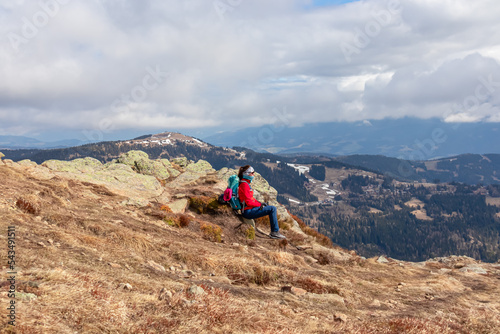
[(28, 206), (313, 286), (250, 233), (211, 232), (323, 258), (261, 276), (184, 220), (204, 204), (171, 221)]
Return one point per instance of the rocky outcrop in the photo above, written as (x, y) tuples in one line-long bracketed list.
[(143, 180), (140, 162), (119, 178)]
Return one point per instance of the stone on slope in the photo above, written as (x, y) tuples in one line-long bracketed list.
[(192, 173), (117, 177), (140, 162)]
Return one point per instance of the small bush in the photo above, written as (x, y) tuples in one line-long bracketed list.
[(250, 233), (28, 206), (313, 286), (204, 204), (172, 221), (184, 220), (211, 232)]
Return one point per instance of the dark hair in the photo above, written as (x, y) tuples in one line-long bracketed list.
[(242, 170)]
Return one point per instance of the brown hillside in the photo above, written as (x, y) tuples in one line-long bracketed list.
[(98, 252)]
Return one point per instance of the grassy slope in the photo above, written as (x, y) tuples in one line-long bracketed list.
[(76, 244)]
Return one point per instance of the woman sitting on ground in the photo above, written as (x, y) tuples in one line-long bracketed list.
[(253, 208)]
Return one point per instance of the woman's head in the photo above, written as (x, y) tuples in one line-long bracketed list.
[(246, 170)]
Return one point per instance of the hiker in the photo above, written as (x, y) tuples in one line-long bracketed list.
[(253, 208)]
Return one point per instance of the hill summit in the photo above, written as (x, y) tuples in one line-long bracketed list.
[(138, 245)]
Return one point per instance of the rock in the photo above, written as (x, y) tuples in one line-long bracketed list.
[(192, 174), (340, 317), (140, 162), (474, 269), (459, 265), (155, 267), (444, 271), (181, 162), (196, 290), (382, 259), (114, 265), (125, 286), (179, 206), (27, 163), (298, 291), (171, 170), (375, 303), (336, 298), (1, 155), (25, 296), (81, 165), (118, 178)]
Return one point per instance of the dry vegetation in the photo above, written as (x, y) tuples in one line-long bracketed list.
[(79, 246)]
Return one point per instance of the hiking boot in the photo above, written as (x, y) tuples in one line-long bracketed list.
[(277, 235)]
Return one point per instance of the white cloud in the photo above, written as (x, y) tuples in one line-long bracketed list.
[(233, 68)]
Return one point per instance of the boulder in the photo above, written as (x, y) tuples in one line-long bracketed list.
[(382, 259), (155, 267), (192, 174), (474, 269), (179, 206), (27, 163), (195, 290), (181, 162), (119, 178), (140, 162)]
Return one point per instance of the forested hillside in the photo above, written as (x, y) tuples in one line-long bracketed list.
[(411, 223)]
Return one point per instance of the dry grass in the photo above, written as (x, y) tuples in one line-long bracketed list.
[(92, 250)]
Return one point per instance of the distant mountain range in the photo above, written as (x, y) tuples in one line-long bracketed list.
[(20, 142), (465, 168), (407, 138)]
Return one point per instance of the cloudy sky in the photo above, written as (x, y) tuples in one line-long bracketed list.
[(97, 69)]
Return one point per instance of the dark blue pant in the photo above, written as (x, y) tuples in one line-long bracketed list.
[(266, 211)]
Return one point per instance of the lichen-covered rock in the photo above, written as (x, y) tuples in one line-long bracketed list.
[(81, 165), (140, 162), (179, 206), (182, 161), (193, 172), (171, 170), (27, 163), (201, 166), (117, 177)]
